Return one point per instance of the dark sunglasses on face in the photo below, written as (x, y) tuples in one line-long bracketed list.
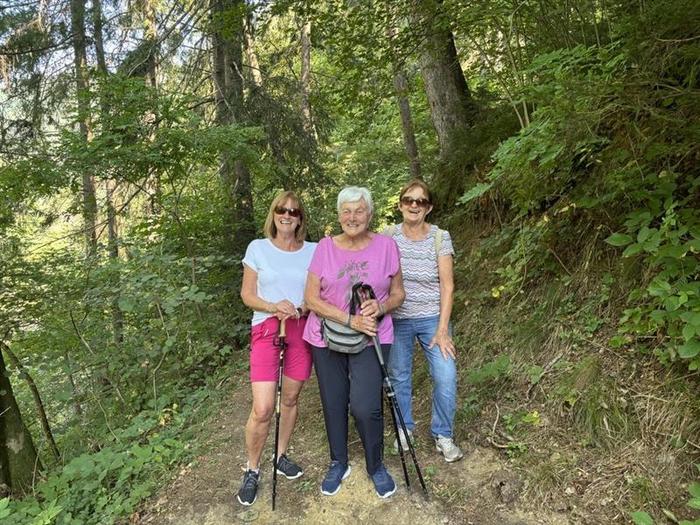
[(293, 212), (409, 201)]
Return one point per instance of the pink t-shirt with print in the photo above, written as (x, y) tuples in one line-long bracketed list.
[(339, 269)]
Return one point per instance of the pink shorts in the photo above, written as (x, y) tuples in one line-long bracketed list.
[(265, 357)]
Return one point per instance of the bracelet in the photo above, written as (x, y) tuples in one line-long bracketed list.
[(349, 321)]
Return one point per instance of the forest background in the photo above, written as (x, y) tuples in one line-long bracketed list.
[(141, 142)]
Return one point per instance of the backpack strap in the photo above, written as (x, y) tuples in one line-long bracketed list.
[(390, 230), (438, 242)]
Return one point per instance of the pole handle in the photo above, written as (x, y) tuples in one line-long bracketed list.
[(283, 328)]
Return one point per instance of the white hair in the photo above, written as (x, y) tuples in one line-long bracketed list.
[(354, 194)]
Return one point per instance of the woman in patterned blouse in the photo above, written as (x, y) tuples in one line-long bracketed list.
[(426, 262)]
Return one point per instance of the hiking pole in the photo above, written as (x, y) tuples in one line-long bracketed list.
[(281, 343), (365, 289)]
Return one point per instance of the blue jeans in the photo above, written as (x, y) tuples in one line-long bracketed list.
[(443, 372)]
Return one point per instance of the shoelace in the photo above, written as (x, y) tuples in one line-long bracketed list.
[(332, 470), (249, 481)]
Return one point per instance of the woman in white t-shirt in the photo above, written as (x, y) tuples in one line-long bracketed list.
[(274, 276)]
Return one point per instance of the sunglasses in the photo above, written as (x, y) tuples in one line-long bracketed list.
[(410, 201), (293, 212)]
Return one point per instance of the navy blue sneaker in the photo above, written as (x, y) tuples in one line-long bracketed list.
[(248, 492), (383, 482), (337, 472)]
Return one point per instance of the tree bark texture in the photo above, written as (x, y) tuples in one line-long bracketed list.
[(258, 96), (18, 458), (97, 24), (41, 411), (227, 46), (253, 64), (151, 34), (409, 136), (452, 108), (82, 93)]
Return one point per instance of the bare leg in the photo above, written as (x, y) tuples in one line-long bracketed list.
[(258, 425), (288, 411)]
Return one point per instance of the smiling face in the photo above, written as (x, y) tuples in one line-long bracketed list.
[(285, 222), (354, 217), (415, 206)]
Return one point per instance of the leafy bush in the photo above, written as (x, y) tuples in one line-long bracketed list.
[(103, 486)]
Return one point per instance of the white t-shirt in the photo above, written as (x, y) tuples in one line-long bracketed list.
[(281, 274)]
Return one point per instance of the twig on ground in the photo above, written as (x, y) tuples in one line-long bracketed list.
[(545, 371), (495, 423), (494, 443), (559, 261)]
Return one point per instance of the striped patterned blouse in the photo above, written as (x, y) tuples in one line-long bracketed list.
[(420, 273)]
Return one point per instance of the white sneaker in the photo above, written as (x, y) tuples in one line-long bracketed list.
[(404, 443), (446, 446)]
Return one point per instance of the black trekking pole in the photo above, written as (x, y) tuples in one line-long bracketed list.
[(280, 343), (396, 416)]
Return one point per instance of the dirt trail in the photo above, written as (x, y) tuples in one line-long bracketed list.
[(478, 490)]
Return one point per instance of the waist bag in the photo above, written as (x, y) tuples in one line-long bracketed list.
[(342, 338)]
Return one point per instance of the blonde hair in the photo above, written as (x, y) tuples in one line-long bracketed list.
[(270, 229)]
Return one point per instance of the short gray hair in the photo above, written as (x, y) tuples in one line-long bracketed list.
[(354, 194)]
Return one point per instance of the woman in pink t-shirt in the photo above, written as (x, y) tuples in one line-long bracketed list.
[(356, 255)]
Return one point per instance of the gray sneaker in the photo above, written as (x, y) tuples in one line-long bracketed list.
[(288, 468), (446, 446), (404, 443)]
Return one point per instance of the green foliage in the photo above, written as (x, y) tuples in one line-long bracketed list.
[(592, 403), (491, 371), (669, 304), (584, 155), (109, 483), (643, 518)]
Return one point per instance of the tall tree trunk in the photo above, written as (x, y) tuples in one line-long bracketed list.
[(18, 458), (77, 8), (98, 38), (255, 74), (41, 411), (257, 95), (113, 247), (74, 388), (452, 108), (109, 184), (305, 80), (227, 46), (151, 34), (409, 136)]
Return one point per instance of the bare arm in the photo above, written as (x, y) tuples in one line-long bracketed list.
[(442, 336), (249, 295)]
